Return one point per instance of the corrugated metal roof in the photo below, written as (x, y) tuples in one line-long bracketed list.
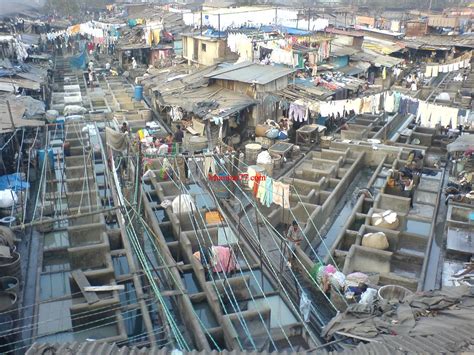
[(452, 341), (97, 348), (251, 73), (340, 51)]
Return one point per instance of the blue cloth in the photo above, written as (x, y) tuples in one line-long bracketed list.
[(13, 182), (79, 62), (268, 197)]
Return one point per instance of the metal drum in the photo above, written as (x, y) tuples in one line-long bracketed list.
[(251, 152), (11, 266)]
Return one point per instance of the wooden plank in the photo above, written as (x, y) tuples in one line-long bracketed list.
[(82, 282), (104, 288)]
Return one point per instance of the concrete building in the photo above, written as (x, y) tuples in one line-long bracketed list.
[(205, 49)]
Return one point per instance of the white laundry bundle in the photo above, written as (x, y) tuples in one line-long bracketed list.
[(264, 157)]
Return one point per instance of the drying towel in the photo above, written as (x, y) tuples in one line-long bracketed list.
[(261, 190), (429, 71), (268, 198)]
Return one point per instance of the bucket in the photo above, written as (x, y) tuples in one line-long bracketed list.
[(393, 293), (277, 161), (138, 93), (41, 157), (251, 152)]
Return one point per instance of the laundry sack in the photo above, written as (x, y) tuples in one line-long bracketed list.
[(387, 219), (186, 202), (8, 198), (375, 240)]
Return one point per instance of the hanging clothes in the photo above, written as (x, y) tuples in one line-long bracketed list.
[(256, 184), (261, 190), (389, 102), (428, 71), (435, 72), (268, 198), (209, 165), (384, 73), (251, 176)]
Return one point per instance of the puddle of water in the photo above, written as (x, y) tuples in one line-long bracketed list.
[(153, 197), (161, 215), (358, 222), (202, 199), (120, 265), (334, 231), (134, 324), (257, 279), (167, 233), (379, 183), (54, 285), (190, 282), (56, 263), (418, 227), (281, 315), (128, 295), (205, 314), (99, 168), (56, 240)]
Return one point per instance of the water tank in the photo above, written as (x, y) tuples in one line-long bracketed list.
[(138, 92)]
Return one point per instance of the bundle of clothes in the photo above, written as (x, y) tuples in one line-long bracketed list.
[(354, 286)]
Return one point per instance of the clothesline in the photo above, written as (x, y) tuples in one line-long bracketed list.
[(433, 71)]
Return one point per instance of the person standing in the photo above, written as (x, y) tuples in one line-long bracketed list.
[(179, 135), (294, 238)]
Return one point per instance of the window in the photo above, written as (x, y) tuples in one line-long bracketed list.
[(203, 47)]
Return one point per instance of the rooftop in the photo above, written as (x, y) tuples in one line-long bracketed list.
[(251, 73)]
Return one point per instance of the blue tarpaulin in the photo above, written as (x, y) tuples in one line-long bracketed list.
[(283, 29), (80, 61), (13, 182)]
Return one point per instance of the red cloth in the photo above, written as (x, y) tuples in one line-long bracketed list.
[(256, 183), (225, 260)]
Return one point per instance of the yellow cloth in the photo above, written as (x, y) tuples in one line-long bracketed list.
[(213, 217), (384, 73), (74, 29), (140, 21), (141, 134), (156, 36)]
